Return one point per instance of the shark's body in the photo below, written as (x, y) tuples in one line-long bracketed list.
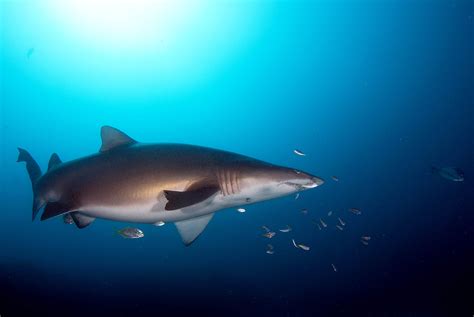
[(157, 183)]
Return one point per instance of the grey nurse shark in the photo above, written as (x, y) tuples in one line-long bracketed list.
[(156, 183)]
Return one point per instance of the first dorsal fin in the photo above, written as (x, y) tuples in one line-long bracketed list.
[(112, 138), (54, 161)]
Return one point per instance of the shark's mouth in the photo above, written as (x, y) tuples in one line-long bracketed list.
[(298, 187)]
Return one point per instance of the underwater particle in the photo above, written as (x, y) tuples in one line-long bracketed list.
[(454, 174), (323, 223), (330, 213), (269, 234), (298, 152), (304, 211), (364, 242), (30, 52), (241, 210), (355, 211), (339, 227), (297, 196), (67, 218), (266, 229), (334, 267), (131, 233), (270, 249), (304, 247), (341, 222), (335, 178), (365, 238), (287, 229)]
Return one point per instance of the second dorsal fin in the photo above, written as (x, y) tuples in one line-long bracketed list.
[(54, 161), (112, 138)]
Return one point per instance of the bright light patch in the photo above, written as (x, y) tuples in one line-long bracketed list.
[(133, 49), (126, 24)]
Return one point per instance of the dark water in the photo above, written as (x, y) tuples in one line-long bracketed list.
[(375, 92)]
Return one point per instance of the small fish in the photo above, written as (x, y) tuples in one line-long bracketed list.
[(319, 227), (329, 213), (365, 238), (241, 209), (339, 227), (334, 267), (355, 211), (364, 242), (131, 233), (298, 152), (304, 211), (334, 178), (270, 249), (266, 228), (454, 174), (297, 196), (287, 229), (269, 234), (294, 243), (159, 223), (67, 218), (30, 52), (304, 247), (341, 222), (323, 223)]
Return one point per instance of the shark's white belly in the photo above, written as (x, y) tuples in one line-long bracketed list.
[(154, 212)]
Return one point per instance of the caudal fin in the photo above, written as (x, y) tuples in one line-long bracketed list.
[(34, 172)]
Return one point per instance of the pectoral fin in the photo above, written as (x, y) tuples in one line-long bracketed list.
[(191, 229), (53, 209), (81, 220), (178, 200)]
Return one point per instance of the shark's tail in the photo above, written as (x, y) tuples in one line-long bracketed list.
[(34, 172)]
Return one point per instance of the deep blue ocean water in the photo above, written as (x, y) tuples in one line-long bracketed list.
[(374, 92)]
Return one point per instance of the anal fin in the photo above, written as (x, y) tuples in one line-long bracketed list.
[(81, 220), (191, 229)]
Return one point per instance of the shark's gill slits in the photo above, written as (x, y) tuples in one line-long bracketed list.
[(228, 182)]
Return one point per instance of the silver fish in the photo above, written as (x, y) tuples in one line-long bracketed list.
[(269, 234), (287, 229), (355, 211), (454, 174), (131, 233), (323, 223), (304, 247), (341, 222), (298, 152)]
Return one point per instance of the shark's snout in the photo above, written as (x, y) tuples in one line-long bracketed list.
[(313, 181)]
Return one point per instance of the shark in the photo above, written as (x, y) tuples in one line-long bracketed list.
[(157, 183)]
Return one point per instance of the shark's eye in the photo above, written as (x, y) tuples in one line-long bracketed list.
[(247, 199)]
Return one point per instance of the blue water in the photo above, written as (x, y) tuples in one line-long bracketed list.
[(374, 92)]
